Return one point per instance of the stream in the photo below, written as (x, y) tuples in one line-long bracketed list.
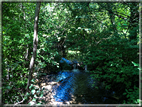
[(76, 87)]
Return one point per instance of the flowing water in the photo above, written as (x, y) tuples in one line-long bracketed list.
[(77, 88)]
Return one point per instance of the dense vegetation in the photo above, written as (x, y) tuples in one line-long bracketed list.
[(104, 36)]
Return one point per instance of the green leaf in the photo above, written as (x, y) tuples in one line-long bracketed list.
[(41, 95), (31, 86), (27, 94), (8, 87), (35, 96), (27, 35), (130, 90), (34, 99), (39, 104), (33, 91), (32, 80), (124, 93), (38, 91), (135, 64), (138, 100)]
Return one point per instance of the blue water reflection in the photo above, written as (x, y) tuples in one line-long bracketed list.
[(64, 91), (63, 75), (80, 85)]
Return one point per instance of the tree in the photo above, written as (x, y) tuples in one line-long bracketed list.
[(35, 43), (102, 35)]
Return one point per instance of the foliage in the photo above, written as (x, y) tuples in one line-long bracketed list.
[(132, 95), (35, 95), (104, 36)]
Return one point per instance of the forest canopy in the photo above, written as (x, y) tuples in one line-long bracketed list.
[(103, 36)]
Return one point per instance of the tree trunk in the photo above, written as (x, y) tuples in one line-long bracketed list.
[(35, 43)]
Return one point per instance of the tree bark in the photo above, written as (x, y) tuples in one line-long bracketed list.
[(35, 43)]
